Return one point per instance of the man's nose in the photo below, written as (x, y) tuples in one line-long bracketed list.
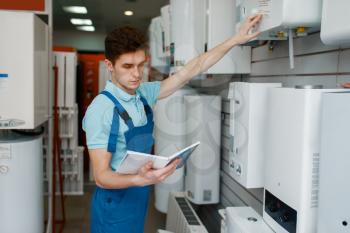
[(136, 72)]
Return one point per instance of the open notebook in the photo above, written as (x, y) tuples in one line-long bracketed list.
[(133, 160)]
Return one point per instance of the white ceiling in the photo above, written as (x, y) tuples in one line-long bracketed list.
[(108, 14)]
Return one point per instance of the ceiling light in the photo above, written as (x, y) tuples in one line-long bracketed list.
[(75, 9), (86, 28), (128, 13), (81, 21)]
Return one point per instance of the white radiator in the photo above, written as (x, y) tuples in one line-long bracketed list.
[(181, 217)]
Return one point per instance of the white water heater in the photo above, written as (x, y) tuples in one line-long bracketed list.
[(67, 76), (170, 136), (21, 182), (219, 13), (292, 159), (165, 23), (156, 45), (334, 193), (202, 175), (333, 29), (281, 15), (197, 26), (244, 220), (187, 36), (24, 70), (250, 117)]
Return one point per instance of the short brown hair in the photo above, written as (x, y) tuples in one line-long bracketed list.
[(124, 40)]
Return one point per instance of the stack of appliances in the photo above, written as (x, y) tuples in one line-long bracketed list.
[(24, 101)]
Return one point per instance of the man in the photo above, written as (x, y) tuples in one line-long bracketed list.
[(121, 119)]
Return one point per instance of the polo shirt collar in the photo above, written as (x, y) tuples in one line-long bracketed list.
[(119, 93)]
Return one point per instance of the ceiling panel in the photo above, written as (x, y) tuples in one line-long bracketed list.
[(108, 14)]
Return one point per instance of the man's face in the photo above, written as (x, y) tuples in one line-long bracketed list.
[(127, 70)]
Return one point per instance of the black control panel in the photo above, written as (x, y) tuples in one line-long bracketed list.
[(283, 214)]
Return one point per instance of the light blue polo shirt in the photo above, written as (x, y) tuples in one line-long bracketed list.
[(98, 117)]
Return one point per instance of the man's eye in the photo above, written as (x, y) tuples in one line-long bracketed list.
[(127, 66)]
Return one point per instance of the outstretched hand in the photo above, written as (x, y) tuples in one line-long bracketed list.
[(147, 175), (243, 35)]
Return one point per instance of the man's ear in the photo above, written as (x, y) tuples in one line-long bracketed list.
[(109, 65)]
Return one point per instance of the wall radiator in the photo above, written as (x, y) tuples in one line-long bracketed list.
[(181, 217)]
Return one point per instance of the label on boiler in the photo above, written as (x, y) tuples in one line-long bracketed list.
[(5, 151), (264, 7), (3, 80)]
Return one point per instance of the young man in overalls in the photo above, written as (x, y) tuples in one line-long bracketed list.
[(121, 118)]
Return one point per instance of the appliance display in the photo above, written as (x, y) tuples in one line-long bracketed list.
[(293, 158), (24, 79), (333, 210)]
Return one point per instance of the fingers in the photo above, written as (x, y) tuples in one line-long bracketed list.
[(146, 168), (163, 177), (166, 169), (255, 20), (177, 161), (155, 176), (254, 17), (251, 17), (173, 165)]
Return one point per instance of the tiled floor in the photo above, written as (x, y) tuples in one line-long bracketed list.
[(78, 213)]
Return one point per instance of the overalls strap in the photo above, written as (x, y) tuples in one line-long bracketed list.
[(148, 109), (118, 111)]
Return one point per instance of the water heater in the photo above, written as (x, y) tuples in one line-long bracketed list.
[(24, 70), (21, 182), (170, 136), (165, 23), (333, 29), (156, 45), (292, 159), (187, 35), (202, 174), (197, 26), (334, 193), (250, 117), (281, 15), (219, 13), (66, 63)]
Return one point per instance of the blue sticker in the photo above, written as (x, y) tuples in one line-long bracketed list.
[(4, 75)]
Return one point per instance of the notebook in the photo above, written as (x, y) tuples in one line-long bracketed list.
[(133, 160)]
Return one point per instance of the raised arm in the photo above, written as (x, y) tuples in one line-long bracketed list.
[(203, 62)]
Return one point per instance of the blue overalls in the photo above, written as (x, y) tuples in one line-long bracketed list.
[(123, 210)]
